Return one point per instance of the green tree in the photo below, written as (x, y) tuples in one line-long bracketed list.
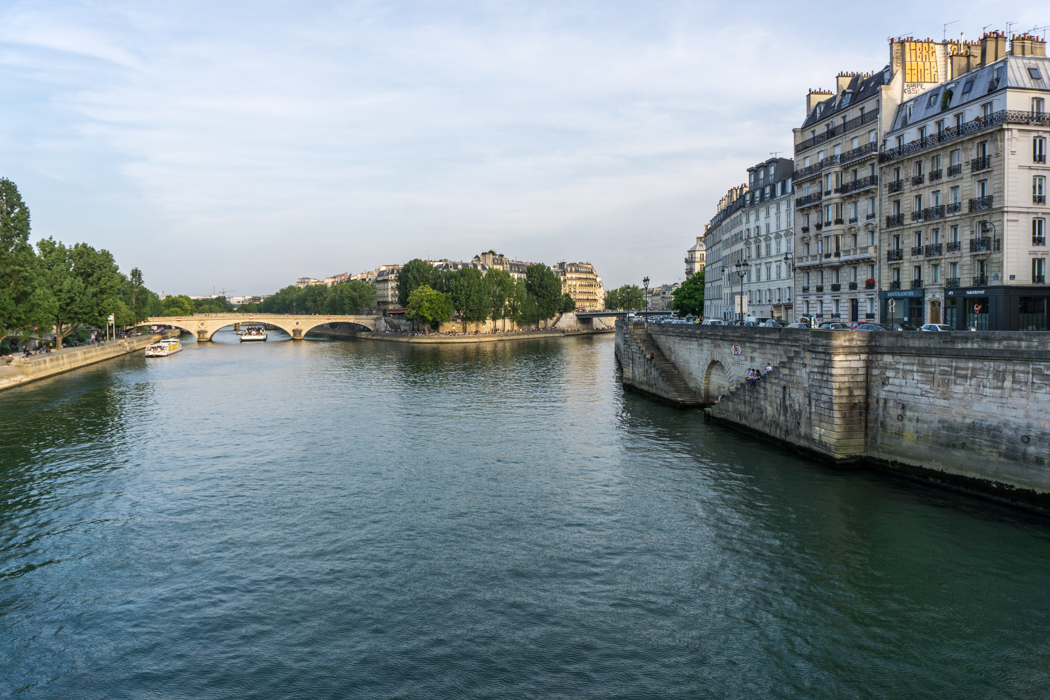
[(352, 297), (624, 298), (500, 288), (25, 301), (688, 299), (568, 304), (427, 306), (414, 274), (85, 284), (544, 288), (517, 302), (469, 294), (178, 305), (123, 316)]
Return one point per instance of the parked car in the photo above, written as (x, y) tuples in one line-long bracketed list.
[(772, 323), (713, 322), (900, 327), (937, 327), (798, 324), (833, 326), (869, 327)]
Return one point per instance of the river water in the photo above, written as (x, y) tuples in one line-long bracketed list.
[(328, 519)]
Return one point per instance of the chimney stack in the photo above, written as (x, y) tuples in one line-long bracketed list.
[(993, 47), (815, 97), (1027, 45), (842, 81)]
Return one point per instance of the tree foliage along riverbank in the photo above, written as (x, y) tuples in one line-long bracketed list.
[(688, 299), (58, 287), (477, 297), (625, 298), (353, 297)]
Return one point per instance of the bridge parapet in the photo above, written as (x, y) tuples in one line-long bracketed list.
[(204, 326)]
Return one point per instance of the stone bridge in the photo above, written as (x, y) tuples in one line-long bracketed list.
[(204, 326)]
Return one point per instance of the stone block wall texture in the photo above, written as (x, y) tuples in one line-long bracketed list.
[(41, 366), (967, 409)]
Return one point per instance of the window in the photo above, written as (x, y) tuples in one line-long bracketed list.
[(935, 274), (953, 270), (1039, 190), (967, 86), (1038, 231), (935, 236), (997, 76), (1038, 106), (922, 133), (1034, 73), (986, 110), (1039, 149), (959, 119), (917, 203), (917, 273), (873, 136), (1038, 270), (981, 189), (918, 239), (933, 100), (957, 156), (953, 195)]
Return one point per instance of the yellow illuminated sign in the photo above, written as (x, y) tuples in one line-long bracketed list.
[(920, 62)]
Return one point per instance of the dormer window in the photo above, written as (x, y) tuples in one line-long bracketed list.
[(1034, 73), (996, 77), (932, 101), (967, 86)]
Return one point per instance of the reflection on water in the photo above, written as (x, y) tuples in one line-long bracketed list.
[(328, 518)]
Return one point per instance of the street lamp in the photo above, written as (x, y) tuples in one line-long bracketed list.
[(645, 283), (741, 271)]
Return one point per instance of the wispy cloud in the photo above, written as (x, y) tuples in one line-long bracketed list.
[(244, 145)]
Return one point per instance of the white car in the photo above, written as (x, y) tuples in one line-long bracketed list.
[(937, 327)]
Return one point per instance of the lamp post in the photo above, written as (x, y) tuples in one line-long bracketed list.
[(645, 283), (726, 278), (789, 270), (741, 271)]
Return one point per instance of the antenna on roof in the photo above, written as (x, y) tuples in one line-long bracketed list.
[(1008, 24), (1035, 30), (984, 29), (945, 39)]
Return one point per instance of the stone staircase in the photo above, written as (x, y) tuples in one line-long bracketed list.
[(680, 393)]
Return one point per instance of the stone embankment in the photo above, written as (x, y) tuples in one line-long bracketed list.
[(28, 369), (437, 339), (967, 410)]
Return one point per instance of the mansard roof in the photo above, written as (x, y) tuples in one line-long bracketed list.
[(861, 87)]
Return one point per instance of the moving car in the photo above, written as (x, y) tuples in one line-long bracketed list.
[(937, 327)]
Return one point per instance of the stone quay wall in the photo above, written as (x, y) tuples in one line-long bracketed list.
[(25, 370), (964, 409)]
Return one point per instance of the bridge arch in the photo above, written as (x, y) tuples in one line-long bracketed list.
[(204, 326), (716, 382)]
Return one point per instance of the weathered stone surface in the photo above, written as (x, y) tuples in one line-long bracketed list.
[(968, 409)]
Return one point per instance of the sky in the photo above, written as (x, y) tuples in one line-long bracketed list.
[(239, 146)]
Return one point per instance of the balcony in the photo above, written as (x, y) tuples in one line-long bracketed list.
[(859, 152), (852, 286), (981, 245), (869, 284), (869, 315), (954, 246), (838, 222), (820, 288), (980, 163), (1038, 279), (853, 219), (827, 256), (805, 229), (894, 254), (980, 281), (834, 131), (972, 127), (1038, 240), (1039, 158), (918, 179), (981, 203), (895, 284), (954, 170), (916, 250), (808, 199), (859, 184), (916, 215), (936, 175), (870, 215), (935, 212), (836, 287), (805, 289), (955, 207), (1038, 199), (951, 282), (895, 186), (933, 250), (819, 225), (895, 220), (916, 284)]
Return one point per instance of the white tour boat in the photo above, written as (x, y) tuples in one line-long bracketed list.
[(163, 348), (253, 333)]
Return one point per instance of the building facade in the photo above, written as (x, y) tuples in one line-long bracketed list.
[(580, 281), (696, 256), (385, 282), (965, 173), (768, 285), (723, 242)]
